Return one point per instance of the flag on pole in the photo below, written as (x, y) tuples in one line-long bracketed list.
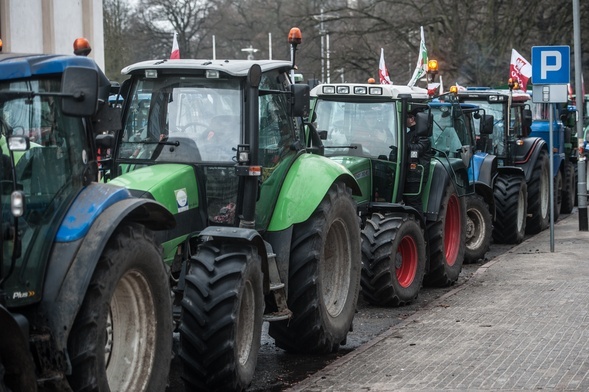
[(383, 72), (520, 69), (421, 67), (175, 48)]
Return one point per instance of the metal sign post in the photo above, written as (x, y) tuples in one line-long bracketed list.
[(550, 75)]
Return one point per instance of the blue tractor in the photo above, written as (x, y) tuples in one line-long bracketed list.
[(85, 302)]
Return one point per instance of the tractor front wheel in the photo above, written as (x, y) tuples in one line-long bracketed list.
[(324, 277), (447, 237), (222, 317), (393, 259), (510, 193), (121, 339), (539, 195), (479, 226)]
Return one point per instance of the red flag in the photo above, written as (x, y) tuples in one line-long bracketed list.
[(520, 69), (383, 72), (175, 48)]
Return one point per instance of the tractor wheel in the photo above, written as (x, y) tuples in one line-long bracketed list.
[(324, 277), (121, 339), (557, 195), (569, 188), (510, 194), (539, 195), (447, 237), (479, 226), (3, 386), (222, 317), (393, 259)]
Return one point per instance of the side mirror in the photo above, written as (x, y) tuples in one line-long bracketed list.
[(486, 127), (301, 100), (80, 88), (424, 122)]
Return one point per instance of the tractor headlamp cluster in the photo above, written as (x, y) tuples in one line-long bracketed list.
[(356, 90)]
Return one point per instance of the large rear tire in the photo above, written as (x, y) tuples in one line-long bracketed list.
[(539, 195), (447, 237), (479, 227), (121, 339), (222, 317), (324, 277), (511, 197), (393, 260), (569, 188)]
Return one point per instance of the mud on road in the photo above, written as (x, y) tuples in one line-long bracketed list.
[(278, 370)]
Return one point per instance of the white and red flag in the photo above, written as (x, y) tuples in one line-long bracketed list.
[(520, 70), (383, 72), (421, 67), (175, 48)]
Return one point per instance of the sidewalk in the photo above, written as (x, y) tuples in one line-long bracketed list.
[(521, 323)]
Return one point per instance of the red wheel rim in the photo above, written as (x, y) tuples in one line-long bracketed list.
[(452, 230), (408, 252)]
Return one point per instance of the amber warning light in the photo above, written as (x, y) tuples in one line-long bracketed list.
[(82, 47), (295, 37)]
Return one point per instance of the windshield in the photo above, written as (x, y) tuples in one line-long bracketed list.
[(357, 128), (449, 132), (49, 173), (182, 119), (495, 110)]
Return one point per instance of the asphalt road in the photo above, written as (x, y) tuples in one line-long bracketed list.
[(277, 370)]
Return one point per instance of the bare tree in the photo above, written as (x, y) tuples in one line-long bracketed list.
[(116, 39)]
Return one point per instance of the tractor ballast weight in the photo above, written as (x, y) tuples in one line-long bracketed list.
[(66, 259), (266, 231)]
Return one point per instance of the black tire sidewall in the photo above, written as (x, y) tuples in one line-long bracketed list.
[(477, 203), (130, 248)]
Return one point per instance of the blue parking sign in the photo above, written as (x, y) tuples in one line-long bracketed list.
[(551, 64)]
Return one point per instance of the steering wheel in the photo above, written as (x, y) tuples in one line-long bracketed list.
[(198, 127)]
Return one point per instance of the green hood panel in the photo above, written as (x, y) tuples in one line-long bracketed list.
[(304, 187), (360, 168), (173, 185)]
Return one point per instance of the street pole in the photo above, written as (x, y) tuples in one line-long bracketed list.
[(581, 163), (322, 33), (269, 46), (551, 157), (327, 55), (214, 49)]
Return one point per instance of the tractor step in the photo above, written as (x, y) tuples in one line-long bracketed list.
[(278, 316), (276, 286)]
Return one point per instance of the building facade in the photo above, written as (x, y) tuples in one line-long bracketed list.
[(51, 26)]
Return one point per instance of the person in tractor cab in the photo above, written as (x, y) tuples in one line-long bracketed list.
[(419, 150)]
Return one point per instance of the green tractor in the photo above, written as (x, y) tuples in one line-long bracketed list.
[(412, 207), (85, 304), (266, 231)]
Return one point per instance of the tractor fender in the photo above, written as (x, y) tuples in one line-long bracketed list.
[(483, 169), (243, 235), (439, 181), (14, 348), (72, 263), (486, 191), (304, 187), (527, 154)]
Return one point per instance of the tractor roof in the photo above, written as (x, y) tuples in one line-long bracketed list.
[(237, 68), (492, 95), (368, 90), (20, 65)]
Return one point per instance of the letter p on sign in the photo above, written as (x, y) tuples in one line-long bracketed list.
[(551, 65), (547, 65)]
